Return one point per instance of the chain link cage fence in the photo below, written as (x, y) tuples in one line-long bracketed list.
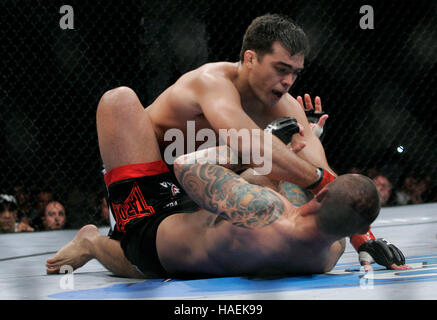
[(378, 85)]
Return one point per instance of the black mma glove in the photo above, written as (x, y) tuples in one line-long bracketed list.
[(382, 252), (283, 128)]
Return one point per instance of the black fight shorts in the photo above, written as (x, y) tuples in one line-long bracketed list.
[(140, 197)]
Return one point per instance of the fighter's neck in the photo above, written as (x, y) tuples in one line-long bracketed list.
[(306, 224), (249, 100)]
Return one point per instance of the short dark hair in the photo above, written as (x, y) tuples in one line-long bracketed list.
[(351, 205), (266, 29), (6, 205)]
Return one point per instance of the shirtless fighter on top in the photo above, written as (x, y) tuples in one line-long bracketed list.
[(248, 94)]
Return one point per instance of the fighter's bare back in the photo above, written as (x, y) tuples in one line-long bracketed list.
[(215, 245)]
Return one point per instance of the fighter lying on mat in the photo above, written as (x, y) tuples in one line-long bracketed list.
[(247, 94), (244, 229)]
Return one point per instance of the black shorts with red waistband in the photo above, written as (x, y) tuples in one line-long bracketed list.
[(141, 196)]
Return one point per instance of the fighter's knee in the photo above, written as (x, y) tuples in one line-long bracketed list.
[(118, 93), (118, 102), (118, 98)]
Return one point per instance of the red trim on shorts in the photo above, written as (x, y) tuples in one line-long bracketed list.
[(137, 170)]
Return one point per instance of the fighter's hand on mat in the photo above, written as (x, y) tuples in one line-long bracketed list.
[(316, 117), (367, 266), (382, 252)]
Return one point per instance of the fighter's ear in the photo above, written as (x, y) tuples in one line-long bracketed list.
[(249, 58)]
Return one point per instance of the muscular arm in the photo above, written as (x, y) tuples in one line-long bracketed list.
[(313, 152), (221, 191), (296, 195), (220, 103)]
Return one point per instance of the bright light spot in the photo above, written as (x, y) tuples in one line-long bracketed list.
[(400, 149)]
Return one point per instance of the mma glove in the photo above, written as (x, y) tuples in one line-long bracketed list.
[(283, 128), (382, 252)]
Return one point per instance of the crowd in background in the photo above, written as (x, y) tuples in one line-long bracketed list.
[(24, 211), (411, 188)]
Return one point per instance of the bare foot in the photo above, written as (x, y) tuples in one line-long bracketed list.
[(76, 253)]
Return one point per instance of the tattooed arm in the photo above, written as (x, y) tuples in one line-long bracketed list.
[(292, 192), (296, 195), (221, 191)]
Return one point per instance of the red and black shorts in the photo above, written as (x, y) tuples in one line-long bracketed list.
[(141, 196)]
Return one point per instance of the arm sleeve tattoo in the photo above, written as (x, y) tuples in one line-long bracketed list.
[(226, 194), (295, 194)]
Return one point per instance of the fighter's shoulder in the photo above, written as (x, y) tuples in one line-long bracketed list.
[(214, 76)]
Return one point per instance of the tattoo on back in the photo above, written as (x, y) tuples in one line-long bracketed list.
[(223, 192)]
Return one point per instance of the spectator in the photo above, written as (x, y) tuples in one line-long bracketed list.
[(428, 189), (420, 189), (101, 210), (413, 189), (384, 187), (81, 206), (54, 216), (37, 212), (44, 197), (8, 216), (403, 195), (22, 197)]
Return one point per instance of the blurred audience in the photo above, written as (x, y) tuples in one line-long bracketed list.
[(81, 206), (101, 211), (44, 197), (8, 216), (37, 211), (414, 189), (410, 188), (23, 198)]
